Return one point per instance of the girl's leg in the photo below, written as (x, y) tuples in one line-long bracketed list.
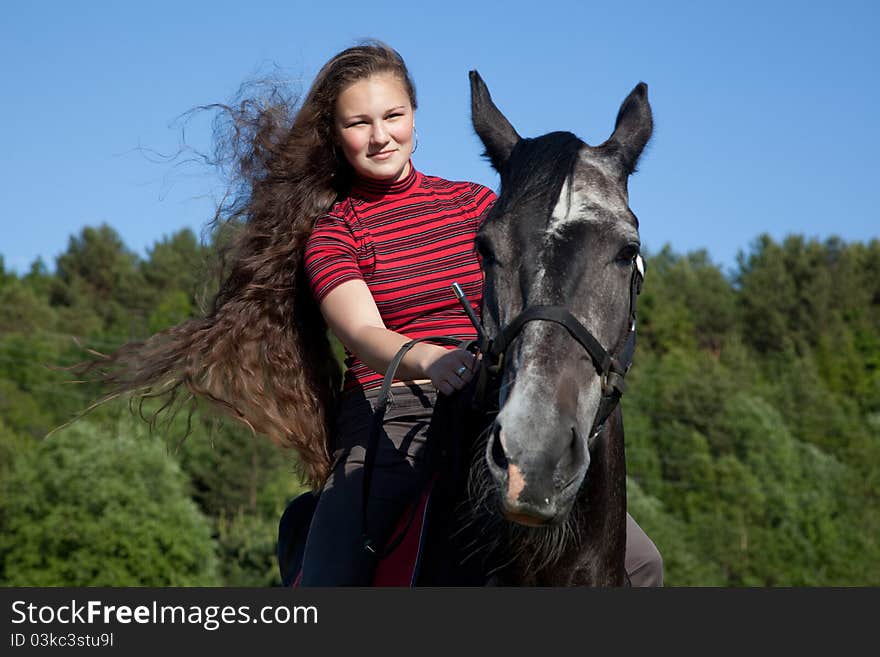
[(334, 553), (643, 562)]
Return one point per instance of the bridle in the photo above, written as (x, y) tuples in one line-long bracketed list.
[(611, 366)]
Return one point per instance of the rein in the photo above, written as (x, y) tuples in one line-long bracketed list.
[(611, 366), (385, 400)]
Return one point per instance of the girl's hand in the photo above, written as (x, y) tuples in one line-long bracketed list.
[(451, 369)]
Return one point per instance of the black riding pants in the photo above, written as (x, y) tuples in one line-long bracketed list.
[(334, 554)]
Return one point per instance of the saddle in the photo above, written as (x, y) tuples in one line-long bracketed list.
[(399, 568)]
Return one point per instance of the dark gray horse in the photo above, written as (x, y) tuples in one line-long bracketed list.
[(536, 493), (546, 501)]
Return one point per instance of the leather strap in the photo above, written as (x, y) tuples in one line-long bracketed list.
[(385, 400)]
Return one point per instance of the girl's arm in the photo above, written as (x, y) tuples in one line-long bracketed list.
[(351, 313)]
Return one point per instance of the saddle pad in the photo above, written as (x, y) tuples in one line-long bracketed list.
[(400, 568)]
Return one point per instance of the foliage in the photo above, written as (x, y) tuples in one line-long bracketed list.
[(749, 421), (89, 507), (752, 422)]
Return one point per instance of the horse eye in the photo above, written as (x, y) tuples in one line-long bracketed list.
[(485, 251), (628, 254)]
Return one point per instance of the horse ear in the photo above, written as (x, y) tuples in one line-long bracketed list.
[(494, 130), (633, 128)]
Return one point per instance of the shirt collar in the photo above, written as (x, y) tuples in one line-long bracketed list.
[(370, 188)]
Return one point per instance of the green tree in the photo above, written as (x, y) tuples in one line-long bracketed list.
[(172, 308), (242, 483), (174, 272), (90, 507), (686, 302), (98, 273), (5, 276), (22, 310), (768, 293), (174, 263), (803, 533), (683, 564), (39, 279)]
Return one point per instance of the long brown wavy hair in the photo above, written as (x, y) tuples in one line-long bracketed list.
[(261, 353)]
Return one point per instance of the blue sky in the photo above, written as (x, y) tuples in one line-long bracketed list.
[(765, 112)]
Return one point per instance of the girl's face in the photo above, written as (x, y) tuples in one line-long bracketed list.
[(374, 123)]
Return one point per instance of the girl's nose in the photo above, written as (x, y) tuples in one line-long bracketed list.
[(379, 135)]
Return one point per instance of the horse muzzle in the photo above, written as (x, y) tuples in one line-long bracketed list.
[(537, 487)]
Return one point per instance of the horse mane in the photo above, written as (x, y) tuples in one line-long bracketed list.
[(537, 169)]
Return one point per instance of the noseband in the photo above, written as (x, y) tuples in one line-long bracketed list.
[(612, 367)]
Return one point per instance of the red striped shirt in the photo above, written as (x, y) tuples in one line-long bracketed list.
[(408, 241)]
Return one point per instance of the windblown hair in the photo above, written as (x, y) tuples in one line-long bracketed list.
[(261, 353)]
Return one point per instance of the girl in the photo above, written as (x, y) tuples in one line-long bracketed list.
[(339, 230), (380, 264)]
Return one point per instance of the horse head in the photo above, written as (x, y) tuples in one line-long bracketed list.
[(560, 235)]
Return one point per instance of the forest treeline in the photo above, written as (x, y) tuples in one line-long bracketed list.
[(752, 425)]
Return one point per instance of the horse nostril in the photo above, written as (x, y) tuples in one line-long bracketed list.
[(497, 450)]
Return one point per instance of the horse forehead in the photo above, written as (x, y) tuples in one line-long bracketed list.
[(593, 184)]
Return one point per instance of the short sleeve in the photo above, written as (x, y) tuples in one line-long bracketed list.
[(484, 199), (331, 256)]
